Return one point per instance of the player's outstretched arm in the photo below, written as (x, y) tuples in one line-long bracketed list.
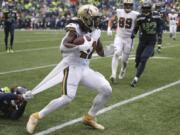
[(110, 23)]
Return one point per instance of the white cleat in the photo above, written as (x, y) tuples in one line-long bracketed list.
[(32, 123), (90, 121)]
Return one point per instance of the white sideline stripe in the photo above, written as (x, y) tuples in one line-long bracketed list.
[(52, 65), (109, 108)]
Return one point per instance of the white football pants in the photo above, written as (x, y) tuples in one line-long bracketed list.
[(123, 48), (172, 30), (73, 75)]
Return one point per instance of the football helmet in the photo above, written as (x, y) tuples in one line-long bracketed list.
[(89, 15), (128, 5), (19, 90), (146, 9), (158, 7)]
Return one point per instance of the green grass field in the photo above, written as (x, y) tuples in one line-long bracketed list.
[(37, 53)]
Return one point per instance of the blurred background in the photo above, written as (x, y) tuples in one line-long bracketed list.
[(54, 14)]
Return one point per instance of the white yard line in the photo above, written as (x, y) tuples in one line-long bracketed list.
[(27, 69), (109, 108), (55, 47), (52, 65), (33, 49)]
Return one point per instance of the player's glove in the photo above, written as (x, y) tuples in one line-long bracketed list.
[(95, 35), (86, 45), (109, 31), (28, 95)]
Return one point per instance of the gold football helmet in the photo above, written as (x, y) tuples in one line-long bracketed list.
[(89, 15), (128, 5)]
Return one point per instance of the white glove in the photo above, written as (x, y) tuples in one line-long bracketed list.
[(95, 35), (109, 31), (86, 45), (28, 95)]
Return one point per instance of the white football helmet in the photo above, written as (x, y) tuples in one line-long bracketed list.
[(128, 5), (89, 15)]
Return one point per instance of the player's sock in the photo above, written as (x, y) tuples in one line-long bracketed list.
[(140, 69), (100, 100), (114, 66), (123, 70), (55, 104)]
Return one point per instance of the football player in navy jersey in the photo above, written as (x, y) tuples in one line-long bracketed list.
[(149, 28), (12, 102), (9, 18), (158, 12)]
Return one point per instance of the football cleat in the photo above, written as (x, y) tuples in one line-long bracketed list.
[(32, 123), (11, 51), (134, 82), (90, 121), (7, 51), (158, 50), (112, 79), (122, 74)]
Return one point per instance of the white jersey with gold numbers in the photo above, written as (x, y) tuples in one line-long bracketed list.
[(172, 18), (126, 22)]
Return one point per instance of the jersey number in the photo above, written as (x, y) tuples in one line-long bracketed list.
[(125, 22), (172, 18)]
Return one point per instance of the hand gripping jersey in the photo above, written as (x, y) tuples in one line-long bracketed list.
[(172, 18), (126, 22)]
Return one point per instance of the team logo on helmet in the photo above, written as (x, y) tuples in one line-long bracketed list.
[(88, 14), (128, 5), (146, 8)]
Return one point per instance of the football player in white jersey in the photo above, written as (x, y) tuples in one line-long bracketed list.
[(74, 69), (123, 42), (172, 17)]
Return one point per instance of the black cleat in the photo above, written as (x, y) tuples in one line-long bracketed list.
[(134, 82), (112, 79)]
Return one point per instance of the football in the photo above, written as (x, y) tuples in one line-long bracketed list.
[(80, 40)]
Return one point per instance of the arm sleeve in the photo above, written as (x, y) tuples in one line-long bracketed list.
[(136, 27)]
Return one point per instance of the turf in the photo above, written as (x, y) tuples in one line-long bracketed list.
[(158, 114)]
